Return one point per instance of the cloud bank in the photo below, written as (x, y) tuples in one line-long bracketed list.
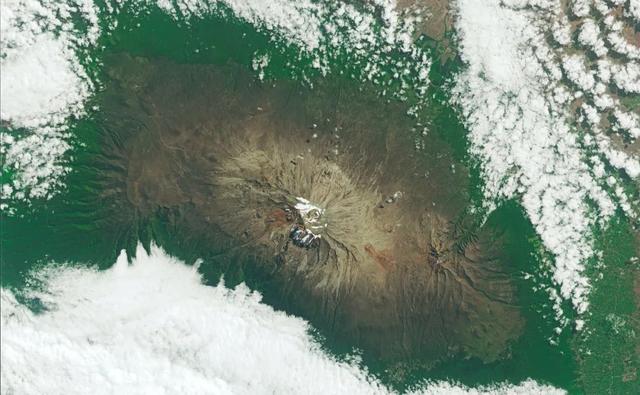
[(537, 97), (153, 327)]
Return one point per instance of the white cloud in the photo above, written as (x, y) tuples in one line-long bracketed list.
[(628, 122), (297, 21), (634, 9), (601, 6), (379, 41), (619, 159), (592, 115), (42, 84), (42, 80), (589, 36), (620, 45), (577, 72), (153, 327), (522, 118), (603, 101), (522, 136), (627, 76), (562, 31), (581, 8), (317, 27)]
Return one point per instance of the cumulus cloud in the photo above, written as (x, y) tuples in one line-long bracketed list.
[(627, 76), (41, 85), (576, 71), (589, 36), (634, 9), (523, 100), (526, 146), (153, 327), (298, 21)]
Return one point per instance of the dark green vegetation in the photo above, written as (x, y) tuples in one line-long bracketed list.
[(609, 352)]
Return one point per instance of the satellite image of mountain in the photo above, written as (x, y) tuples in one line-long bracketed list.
[(320, 197)]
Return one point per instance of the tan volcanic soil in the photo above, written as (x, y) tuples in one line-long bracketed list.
[(226, 156), (436, 16)]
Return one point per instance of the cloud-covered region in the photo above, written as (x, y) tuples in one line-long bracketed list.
[(549, 119), (42, 84), (153, 327)]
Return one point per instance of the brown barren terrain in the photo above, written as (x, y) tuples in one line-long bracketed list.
[(399, 271)]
